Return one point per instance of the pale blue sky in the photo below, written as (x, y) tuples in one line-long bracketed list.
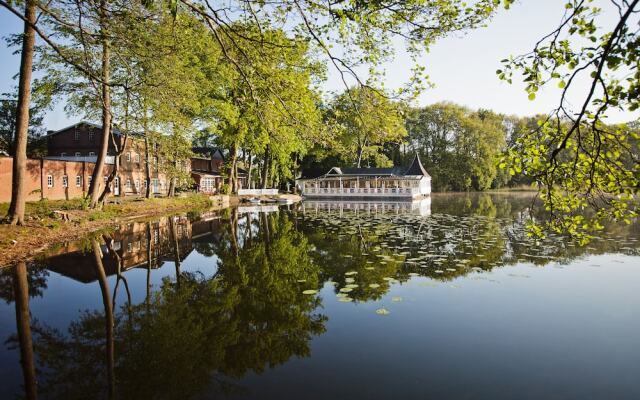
[(462, 68)]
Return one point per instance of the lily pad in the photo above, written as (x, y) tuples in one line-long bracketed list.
[(383, 311), (396, 299), (310, 291), (374, 285)]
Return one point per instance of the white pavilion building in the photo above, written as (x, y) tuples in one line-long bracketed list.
[(397, 182)]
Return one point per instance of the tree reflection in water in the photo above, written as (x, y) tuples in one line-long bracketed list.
[(195, 334), (198, 335)]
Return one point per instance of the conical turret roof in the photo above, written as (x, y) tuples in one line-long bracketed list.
[(416, 168)]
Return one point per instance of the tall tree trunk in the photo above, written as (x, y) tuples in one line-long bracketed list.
[(172, 182), (18, 184), (94, 189), (233, 182), (249, 171), (108, 319), (359, 156), (147, 167), (119, 146), (265, 168), (23, 325)]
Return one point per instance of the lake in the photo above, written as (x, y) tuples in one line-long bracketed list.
[(447, 298)]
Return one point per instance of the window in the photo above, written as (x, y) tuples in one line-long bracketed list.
[(137, 184), (128, 184), (146, 184), (78, 181), (91, 136), (129, 246), (89, 180), (78, 154), (207, 185), (128, 156), (137, 158), (65, 181), (49, 180), (92, 154), (76, 134), (63, 154)]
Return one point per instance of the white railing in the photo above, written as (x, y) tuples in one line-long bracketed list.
[(363, 191), (257, 192)]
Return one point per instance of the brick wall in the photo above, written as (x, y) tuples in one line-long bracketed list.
[(46, 179)]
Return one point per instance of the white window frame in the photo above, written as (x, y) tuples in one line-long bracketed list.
[(76, 134), (137, 183), (128, 156), (128, 184), (78, 181), (49, 180), (63, 154), (137, 158), (65, 181), (78, 154), (91, 136), (92, 154)]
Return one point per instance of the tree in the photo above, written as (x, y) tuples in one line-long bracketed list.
[(8, 120), (19, 170), (578, 159), (459, 147), (364, 120)]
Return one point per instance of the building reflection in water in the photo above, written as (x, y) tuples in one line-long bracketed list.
[(249, 316), (196, 334), (370, 206)]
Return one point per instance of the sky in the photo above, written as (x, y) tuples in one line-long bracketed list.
[(462, 67)]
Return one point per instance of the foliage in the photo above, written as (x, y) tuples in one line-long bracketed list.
[(579, 160), (7, 125), (459, 147), (363, 120)]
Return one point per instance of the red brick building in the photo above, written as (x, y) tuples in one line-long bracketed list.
[(81, 142), (206, 166), (71, 156)]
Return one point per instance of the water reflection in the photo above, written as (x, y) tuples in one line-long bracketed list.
[(227, 300), (369, 206)]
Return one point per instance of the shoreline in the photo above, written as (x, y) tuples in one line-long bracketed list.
[(46, 229), (22, 243)]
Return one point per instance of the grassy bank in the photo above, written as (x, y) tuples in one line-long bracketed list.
[(50, 222)]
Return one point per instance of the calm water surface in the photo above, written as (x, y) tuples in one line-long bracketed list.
[(441, 299)]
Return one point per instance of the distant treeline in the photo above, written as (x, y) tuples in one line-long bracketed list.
[(459, 147)]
